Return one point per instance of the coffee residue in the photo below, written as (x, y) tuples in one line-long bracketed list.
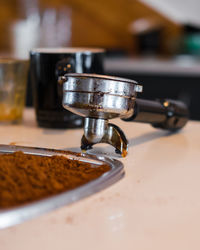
[(26, 178)]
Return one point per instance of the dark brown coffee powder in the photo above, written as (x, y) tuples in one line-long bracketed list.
[(25, 178)]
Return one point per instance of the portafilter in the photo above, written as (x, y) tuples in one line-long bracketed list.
[(99, 98)]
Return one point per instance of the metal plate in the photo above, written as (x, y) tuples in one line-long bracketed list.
[(16, 215)]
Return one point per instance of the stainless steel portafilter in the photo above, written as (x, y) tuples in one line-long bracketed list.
[(99, 98)]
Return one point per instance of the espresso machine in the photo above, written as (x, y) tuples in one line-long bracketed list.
[(99, 98)]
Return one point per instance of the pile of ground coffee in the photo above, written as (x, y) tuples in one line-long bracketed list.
[(25, 178)]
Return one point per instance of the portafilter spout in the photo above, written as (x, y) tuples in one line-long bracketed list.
[(99, 98)]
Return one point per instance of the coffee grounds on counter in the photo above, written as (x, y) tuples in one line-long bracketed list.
[(26, 178)]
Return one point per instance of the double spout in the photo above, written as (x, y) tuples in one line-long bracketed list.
[(100, 131)]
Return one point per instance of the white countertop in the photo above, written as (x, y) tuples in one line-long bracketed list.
[(155, 206), (179, 66)]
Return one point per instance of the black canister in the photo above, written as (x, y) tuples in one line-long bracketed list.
[(46, 65)]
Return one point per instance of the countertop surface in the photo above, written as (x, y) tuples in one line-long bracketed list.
[(155, 206), (180, 65)]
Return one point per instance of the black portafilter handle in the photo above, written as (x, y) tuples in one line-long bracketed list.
[(165, 114)]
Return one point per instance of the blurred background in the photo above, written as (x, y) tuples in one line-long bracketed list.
[(154, 42)]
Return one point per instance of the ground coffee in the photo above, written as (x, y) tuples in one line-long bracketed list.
[(25, 178)]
